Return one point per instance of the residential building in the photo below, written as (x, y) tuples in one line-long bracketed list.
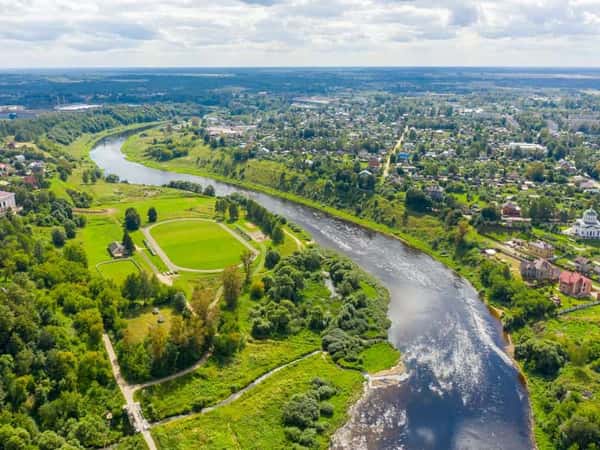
[(117, 250), (574, 284), (582, 264), (539, 270), (7, 202), (541, 249), (511, 209)]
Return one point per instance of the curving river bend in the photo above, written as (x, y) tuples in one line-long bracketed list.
[(462, 391)]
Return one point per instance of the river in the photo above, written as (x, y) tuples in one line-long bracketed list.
[(462, 389)]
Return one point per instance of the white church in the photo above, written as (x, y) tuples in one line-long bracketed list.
[(588, 227)]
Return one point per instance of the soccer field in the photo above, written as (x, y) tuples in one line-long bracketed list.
[(196, 244)]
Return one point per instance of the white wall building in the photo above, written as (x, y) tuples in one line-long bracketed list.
[(588, 227), (7, 201)]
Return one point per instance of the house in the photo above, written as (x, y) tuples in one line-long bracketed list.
[(374, 164), (582, 264), (435, 192), (117, 250), (541, 249), (539, 270), (574, 284), (588, 227), (511, 209), (7, 202)]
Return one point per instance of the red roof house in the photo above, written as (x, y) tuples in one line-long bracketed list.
[(574, 284)]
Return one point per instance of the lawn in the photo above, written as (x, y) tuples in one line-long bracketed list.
[(255, 420), (118, 270), (197, 244), (216, 381), (137, 327)]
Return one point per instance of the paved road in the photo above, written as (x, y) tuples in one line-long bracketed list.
[(174, 267)]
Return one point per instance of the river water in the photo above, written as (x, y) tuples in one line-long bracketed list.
[(462, 390)]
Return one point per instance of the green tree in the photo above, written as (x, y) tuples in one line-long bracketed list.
[(233, 212), (76, 253), (152, 214), (277, 235), (128, 243), (231, 286), (247, 257), (132, 219), (58, 237)]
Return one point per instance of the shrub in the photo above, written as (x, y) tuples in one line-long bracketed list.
[(326, 409), (257, 290), (301, 411), (272, 258)]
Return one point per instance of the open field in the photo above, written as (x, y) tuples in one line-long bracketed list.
[(118, 270), (198, 244), (255, 420), (137, 327)]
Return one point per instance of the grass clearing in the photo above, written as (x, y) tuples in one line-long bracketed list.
[(379, 357), (198, 245), (137, 327), (118, 270), (254, 421)]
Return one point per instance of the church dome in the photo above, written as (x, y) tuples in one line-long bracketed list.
[(590, 217)]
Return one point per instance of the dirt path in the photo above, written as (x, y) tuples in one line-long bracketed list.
[(299, 243), (174, 267), (398, 146), (238, 394), (140, 424)]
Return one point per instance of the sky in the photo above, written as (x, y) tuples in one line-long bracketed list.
[(189, 33)]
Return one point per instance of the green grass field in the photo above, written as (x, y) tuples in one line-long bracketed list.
[(255, 420), (118, 270), (198, 244), (137, 327)]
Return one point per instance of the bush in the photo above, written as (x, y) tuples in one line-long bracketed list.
[(58, 237), (271, 259), (301, 411), (543, 356), (326, 391), (326, 409), (257, 290)]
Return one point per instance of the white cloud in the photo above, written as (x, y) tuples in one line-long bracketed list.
[(296, 32)]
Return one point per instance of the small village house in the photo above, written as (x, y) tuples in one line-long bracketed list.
[(117, 250), (7, 202), (511, 209)]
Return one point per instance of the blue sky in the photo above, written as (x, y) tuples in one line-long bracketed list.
[(62, 33)]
